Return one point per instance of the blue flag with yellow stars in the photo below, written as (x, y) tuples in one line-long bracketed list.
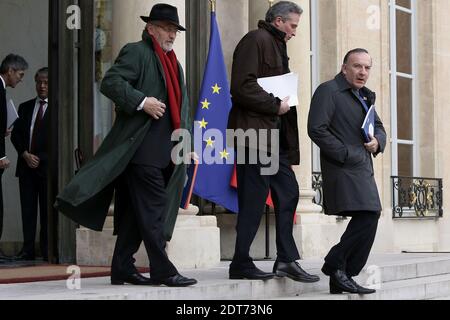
[(216, 164)]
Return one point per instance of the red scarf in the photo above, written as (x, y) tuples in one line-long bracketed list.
[(170, 66)]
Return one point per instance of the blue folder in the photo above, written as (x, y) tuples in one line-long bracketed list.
[(368, 126)]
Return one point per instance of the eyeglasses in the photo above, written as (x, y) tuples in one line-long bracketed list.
[(168, 29)]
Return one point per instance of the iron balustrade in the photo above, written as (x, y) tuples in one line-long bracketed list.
[(317, 185), (417, 197)]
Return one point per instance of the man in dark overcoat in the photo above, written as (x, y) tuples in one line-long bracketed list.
[(337, 112), (147, 86), (12, 71)]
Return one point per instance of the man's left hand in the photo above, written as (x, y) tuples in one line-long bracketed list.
[(373, 145)]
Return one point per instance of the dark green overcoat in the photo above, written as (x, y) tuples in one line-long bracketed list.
[(137, 73)]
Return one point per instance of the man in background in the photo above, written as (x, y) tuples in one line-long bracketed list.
[(12, 71), (29, 137)]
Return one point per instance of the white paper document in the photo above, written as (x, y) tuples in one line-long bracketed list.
[(282, 87), (12, 114)]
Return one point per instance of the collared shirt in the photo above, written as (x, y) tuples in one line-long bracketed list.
[(35, 112)]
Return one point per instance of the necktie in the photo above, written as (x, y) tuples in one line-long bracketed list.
[(363, 102), (37, 124)]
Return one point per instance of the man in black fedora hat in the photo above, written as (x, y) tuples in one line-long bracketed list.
[(146, 84)]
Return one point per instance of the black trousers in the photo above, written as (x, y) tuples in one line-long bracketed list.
[(352, 252), (253, 189), (143, 199), (33, 191), (1, 204)]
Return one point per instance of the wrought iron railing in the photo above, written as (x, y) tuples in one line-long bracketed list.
[(415, 197), (317, 187)]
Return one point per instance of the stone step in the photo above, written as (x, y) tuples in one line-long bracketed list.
[(400, 276), (425, 288)]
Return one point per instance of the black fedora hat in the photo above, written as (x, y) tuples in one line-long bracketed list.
[(164, 12)]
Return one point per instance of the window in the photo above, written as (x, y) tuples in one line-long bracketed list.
[(103, 111), (403, 82)]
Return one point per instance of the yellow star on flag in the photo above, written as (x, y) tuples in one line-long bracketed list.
[(202, 123), (209, 142), (205, 104), (216, 89), (224, 154)]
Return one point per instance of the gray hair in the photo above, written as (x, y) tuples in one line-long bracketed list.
[(282, 9), (41, 72), (13, 61)]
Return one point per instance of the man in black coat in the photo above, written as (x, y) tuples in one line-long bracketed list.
[(338, 109), (12, 71), (29, 137)]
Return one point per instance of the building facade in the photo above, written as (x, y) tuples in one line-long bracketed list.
[(409, 41)]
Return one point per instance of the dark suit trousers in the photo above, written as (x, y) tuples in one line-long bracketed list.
[(33, 190), (253, 189), (352, 252), (1, 204), (143, 192)]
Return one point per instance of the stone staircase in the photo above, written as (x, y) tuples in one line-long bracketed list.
[(408, 277), (396, 276)]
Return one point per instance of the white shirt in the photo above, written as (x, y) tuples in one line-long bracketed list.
[(35, 112)]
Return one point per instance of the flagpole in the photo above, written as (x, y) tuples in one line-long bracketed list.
[(271, 3), (213, 5)]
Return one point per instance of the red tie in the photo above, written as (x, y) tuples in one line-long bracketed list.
[(37, 124)]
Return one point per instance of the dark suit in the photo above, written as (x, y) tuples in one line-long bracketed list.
[(349, 187), (3, 119), (32, 182)]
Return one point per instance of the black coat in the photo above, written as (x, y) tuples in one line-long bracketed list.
[(334, 124), (3, 119), (20, 138)]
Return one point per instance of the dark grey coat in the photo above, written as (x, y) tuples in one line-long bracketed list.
[(334, 124)]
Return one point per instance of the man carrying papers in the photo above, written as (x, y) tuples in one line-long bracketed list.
[(337, 112), (260, 54)]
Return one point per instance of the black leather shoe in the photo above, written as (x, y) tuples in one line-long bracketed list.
[(327, 269), (339, 283), (175, 281), (4, 258), (136, 279), (23, 256), (250, 274), (361, 289), (293, 271)]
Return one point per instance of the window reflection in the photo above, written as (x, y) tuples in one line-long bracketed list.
[(103, 111)]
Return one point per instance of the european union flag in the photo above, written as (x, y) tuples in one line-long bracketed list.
[(213, 177)]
